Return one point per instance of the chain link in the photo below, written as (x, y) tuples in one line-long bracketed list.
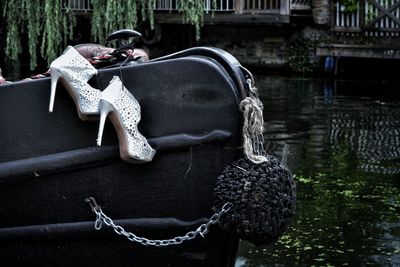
[(202, 230)]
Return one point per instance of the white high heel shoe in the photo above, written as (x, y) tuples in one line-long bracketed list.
[(74, 71), (124, 112)]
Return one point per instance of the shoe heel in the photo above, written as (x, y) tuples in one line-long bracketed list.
[(55, 75), (105, 108)]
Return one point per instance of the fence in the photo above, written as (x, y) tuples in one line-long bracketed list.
[(173, 5), (300, 5), (79, 5), (282, 7), (260, 6), (369, 17)]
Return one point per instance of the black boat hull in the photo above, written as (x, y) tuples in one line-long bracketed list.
[(49, 165)]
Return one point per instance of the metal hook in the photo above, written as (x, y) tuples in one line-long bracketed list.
[(93, 204)]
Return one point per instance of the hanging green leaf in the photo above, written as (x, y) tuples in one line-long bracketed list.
[(147, 11), (69, 22), (49, 24), (98, 18), (13, 36), (32, 9), (131, 14), (193, 13), (349, 5), (51, 29)]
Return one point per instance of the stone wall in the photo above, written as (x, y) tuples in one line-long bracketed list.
[(254, 45)]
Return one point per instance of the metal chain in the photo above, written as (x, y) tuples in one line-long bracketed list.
[(202, 230)]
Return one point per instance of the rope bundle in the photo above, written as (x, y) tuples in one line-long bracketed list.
[(260, 187), (263, 197), (253, 126)]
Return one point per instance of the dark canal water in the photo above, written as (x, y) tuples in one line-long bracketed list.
[(341, 140)]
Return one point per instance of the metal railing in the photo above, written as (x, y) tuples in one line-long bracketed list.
[(78, 5), (173, 5), (370, 17), (222, 5), (300, 5), (254, 7), (260, 6), (345, 19), (231, 6), (283, 7), (165, 5)]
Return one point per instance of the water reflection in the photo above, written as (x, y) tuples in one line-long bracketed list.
[(342, 141)]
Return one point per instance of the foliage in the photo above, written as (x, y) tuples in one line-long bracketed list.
[(48, 24), (23, 18), (349, 5), (14, 21), (51, 29), (33, 23), (193, 13), (147, 11), (56, 28), (302, 55), (111, 15)]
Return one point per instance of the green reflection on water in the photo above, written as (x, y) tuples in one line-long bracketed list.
[(344, 217)]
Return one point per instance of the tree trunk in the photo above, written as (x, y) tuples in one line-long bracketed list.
[(321, 11)]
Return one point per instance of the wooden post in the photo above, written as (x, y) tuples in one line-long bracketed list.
[(362, 14), (239, 6), (284, 10), (333, 16)]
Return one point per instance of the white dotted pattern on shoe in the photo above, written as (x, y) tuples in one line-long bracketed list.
[(128, 109), (77, 71)]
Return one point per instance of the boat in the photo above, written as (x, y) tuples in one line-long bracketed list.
[(53, 176)]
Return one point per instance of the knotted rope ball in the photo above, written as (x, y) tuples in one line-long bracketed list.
[(263, 197)]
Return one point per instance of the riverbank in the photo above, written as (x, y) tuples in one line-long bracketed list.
[(289, 49)]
